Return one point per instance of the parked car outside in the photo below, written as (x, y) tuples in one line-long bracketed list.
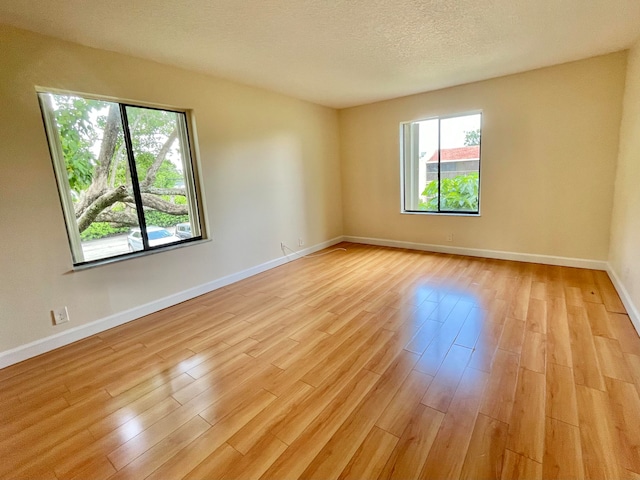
[(183, 230), (157, 236)]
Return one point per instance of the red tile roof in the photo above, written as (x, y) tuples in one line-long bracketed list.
[(460, 153)]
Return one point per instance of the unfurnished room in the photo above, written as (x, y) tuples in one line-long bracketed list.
[(351, 239)]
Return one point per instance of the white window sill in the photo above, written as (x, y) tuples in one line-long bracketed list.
[(440, 214), (129, 256)]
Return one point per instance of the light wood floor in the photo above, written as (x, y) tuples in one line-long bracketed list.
[(370, 363)]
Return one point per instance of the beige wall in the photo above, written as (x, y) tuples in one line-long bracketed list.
[(549, 148), (270, 167), (625, 225)]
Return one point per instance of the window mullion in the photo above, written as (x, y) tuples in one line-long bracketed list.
[(412, 164), (135, 184)]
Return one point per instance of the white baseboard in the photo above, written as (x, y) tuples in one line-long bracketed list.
[(24, 352), (632, 309), (477, 252)]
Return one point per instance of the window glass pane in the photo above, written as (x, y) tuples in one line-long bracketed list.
[(459, 163), (428, 165), (441, 164), (163, 164), (94, 164), (96, 189)]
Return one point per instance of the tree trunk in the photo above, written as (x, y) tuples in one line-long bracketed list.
[(101, 173), (100, 195)]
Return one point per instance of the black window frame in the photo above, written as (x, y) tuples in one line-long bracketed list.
[(192, 177)]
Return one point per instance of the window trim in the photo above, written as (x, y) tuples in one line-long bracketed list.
[(195, 192), (404, 167)]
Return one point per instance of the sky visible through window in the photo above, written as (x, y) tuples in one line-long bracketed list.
[(452, 135)]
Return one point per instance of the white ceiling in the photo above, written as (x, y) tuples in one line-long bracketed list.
[(341, 53)]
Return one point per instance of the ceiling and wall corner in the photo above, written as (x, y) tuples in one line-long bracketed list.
[(549, 146), (341, 53)]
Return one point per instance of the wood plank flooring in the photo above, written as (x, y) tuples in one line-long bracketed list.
[(370, 363)]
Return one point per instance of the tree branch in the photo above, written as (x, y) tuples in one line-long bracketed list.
[(121, 218), (156, 203), (164, 191), (99, 204), (108, 146), (122, 155), (101, 172), (152, 172)]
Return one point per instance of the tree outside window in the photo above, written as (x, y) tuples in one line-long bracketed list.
[(121, 169)]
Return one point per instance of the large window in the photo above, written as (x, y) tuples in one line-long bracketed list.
[(125, 176), (441, 165)]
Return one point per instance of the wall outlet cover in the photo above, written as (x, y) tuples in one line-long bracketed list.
[(60, 315)]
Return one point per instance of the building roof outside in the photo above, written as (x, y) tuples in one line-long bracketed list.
[(459, 153)]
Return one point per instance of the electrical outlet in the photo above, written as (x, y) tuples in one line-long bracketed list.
[(300, 242), (449, 237), (60, 315)]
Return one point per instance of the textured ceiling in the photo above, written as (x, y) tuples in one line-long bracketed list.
[(341, 52)]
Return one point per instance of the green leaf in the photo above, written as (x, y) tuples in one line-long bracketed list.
[(457, 193)]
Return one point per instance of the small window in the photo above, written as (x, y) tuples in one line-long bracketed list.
[(125, 175), (441, 165)]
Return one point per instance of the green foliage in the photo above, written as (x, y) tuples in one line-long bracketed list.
[(167, 176), (81, 123), (101, 230), (77, 135), (472, 138), (149, 128), (458, 193), (161, 219)]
